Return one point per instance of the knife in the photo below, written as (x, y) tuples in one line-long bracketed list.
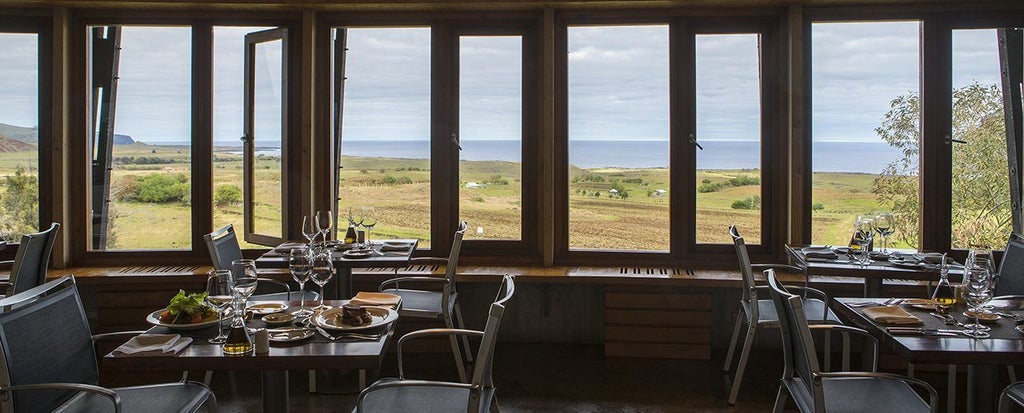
[(923, 331)]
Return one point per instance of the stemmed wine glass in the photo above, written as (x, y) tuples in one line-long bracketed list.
[(300, 265), (978, 293), (322, 271), (355, 217), (324, 220), (863, 233), (308, 229), (243, 273), (884, 227), (219, 293), (369, 220)]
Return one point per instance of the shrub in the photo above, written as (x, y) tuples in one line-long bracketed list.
[(633, 181), (708, 187), (817, 206), (226, 195), (478, 199), (162, 188), (390, 180), (744, 180), (753, 202)]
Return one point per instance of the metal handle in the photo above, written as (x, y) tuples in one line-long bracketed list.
[(244, 138), (949, 139), (693, 140), (455, 140)]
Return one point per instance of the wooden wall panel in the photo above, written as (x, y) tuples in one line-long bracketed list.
[(658, 323)]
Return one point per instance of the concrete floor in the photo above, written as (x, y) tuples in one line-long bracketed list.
[(556, 378)]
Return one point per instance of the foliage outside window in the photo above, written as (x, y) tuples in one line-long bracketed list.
[(19, 136)]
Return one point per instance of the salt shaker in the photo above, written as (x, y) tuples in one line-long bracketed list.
[(262, 341)]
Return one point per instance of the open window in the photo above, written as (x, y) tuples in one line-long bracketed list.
[(265, 137)]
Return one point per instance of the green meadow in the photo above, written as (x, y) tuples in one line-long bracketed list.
[(609, 207)]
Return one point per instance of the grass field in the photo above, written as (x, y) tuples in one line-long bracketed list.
[(637, 217)]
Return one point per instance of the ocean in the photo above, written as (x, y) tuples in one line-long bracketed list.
[(871, 157)]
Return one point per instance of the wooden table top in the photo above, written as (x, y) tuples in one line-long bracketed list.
[(277, 258), (315, 352), (876, 269), (1004, 347)]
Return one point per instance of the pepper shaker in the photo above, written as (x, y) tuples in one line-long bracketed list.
[(262, 341)]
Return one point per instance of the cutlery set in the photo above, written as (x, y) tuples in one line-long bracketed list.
[(342, 335)]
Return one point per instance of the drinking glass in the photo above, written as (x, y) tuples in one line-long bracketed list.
[(978, 293), (864, 231), (355, 217), (324, 220), (219, 293), (369, 220), (300, 265), (308, 229), (322, 271), (884, 227), (243, 273)]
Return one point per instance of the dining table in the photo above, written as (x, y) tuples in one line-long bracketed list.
[(873, 274), (983, 357), (316, 352), (393, 253)]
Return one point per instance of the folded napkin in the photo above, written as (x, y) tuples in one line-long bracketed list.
[(930, 257), (394, 246), (286, 248), (369, 298), (892, 315), (819, 252), (153, 345)]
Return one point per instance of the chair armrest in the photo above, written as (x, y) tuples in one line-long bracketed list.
[(279, 283), (788, 268), (847, 329), (116, 334), (382, 384), (395, 281), (103, 391), (932, 394), (1009, 297), (430, 332), (428, 260), (808, 291)]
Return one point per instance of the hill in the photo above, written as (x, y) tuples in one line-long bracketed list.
[(19, 133), (11, 145)]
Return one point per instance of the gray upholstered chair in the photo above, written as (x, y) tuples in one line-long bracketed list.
[(815, 391), (1011, 269), (48, 361), (1012, 394), (440, 305), (405, 395), (760, 313), (224, 248), (29, 266)]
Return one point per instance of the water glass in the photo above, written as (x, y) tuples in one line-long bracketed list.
[(322, 271), (977, 294), (884, 226), (324, 221), (300, 265), (863, 234), (243, 272), (219, 293)]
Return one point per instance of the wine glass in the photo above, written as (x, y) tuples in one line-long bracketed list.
[(355, 217), (884, 227), (978, 293), (308, 229), (219, 293), (369, 220), (322, 271), (324, 220), (300, 266), (863, 233), (243, 272)]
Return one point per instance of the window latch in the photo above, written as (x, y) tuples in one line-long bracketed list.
[(244, 138), (949, 140), (455, 140), (693, 140)]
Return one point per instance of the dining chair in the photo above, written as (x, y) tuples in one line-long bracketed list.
[(1013, 393), (760, 313), (28, 269), (815, 391), (406, 395), (48, 361), (439, 305), (224, 248), (1011, 269)]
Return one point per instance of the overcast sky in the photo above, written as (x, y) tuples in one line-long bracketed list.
[(618, 80)]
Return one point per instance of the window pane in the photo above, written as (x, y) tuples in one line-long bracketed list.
[(19, 138), (729, 129), (268, 138), (865, 116), (618, 137), (385, 131), (152, 153), (490, 130), (980, 180), (228, 112)]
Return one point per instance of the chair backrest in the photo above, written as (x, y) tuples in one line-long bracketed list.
[(45, 338), (1011, 268), (749, 293), (800, 357), (485, 355), (33, 257), (223, 246), (451, 268)]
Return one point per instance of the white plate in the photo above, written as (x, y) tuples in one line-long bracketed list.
[(267, 308), (294, 335), (154, 319), (357, 254), (904, 263), (331, 319)]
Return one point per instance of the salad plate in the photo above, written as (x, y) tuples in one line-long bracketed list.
[(184, 312), (154, 319)]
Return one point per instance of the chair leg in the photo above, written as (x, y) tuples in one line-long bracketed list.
[(494, 405), (780, 399), (1012, 372), (465, 339), (732, 343), (208, 377), (459, 364), (1004, 403), (734, 391)]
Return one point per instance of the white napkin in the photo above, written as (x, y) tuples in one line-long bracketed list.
[(819, 252), (394, 246), (892, 315), (371, 298), (153, 345)]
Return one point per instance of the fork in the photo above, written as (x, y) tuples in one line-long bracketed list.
[(346, 335)]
